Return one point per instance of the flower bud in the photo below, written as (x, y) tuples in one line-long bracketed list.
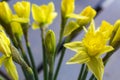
[(67, 7), (50, 45), (115, 40), (5, 12), (22, 9)]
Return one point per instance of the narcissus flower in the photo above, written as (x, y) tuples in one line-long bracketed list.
[(43, 15), (4, 43), (93, 45), (67, 7), (22, 9), (5, 12), (6, 59)]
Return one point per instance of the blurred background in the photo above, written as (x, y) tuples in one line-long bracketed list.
[(110, 12)]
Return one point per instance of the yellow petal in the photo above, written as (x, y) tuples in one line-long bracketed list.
[(106, 49), (79, 58), (70, 28), (75, 46), (17, 29), (2, 60), (36, 13), (96, 66), (11, 69), (106, 28), (88, 12), (76, 16), (35, 25), (20, 20), (92, 27), (4, 44)]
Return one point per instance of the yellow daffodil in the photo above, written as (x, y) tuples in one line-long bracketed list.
[(67, 7), (88, 12), (5, 12), (6, 59), (93, 45), (22, 9), (43, 15), (4, 43)]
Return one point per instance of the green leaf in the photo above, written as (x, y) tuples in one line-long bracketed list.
[(70, 28), (97, 67), (80, 57)]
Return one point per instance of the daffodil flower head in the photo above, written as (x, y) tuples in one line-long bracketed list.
[(22, 9), (67, 7), (91, 47), (5, 12), (4, 43), (88, 12), (43, 15), (6, 59)]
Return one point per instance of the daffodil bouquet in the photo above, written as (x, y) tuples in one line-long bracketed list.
[(95, 42)]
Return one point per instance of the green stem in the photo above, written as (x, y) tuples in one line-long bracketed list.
[(51, 67), (22, 50), (81, 71), (31, 58), (59, 64), (63, 22), (44, 55), (92, 77), (85, 73)]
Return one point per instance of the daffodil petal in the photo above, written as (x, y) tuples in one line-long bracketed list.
[(21, 20), (11, 68), (106, 49), (80, 57), (75, 46), (96, 66), (77, 16), (35, 25), (70, 28), (92, 27), (2, 60), (106, 28)]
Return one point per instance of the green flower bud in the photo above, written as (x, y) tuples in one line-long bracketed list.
[(50, 44)]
